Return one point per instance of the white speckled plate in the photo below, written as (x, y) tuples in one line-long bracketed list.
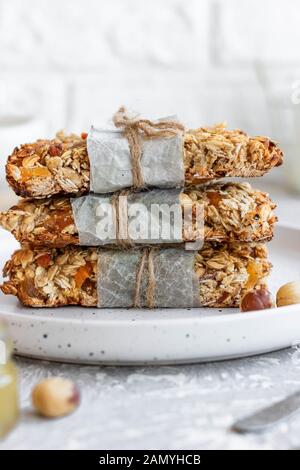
[(118, 336)]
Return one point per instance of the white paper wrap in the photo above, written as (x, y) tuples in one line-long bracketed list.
[(152, 217), (110, 161), (177, 285)]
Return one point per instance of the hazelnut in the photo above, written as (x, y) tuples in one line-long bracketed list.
[(288, 294), (55, 396), (257, 299)]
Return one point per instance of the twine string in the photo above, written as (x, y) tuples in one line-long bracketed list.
[(120, 211), (135, 130), (147, 258)]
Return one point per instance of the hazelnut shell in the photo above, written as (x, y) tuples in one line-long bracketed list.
[(55, 397)]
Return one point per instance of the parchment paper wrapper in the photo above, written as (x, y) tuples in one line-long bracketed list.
[(152, 217), (176, 283), (110, 161)]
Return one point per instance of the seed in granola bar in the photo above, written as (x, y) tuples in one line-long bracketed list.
[(257, 299)]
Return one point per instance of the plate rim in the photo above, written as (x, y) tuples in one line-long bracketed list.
[(239, 316)]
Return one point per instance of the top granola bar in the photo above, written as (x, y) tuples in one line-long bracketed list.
[(61, 166)]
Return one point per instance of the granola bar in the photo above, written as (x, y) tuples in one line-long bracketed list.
[(68, 276), (232, 212), (61, 166)]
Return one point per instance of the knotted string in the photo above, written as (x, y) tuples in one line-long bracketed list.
[(135, 130)]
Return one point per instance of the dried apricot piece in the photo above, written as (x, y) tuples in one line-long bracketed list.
[(39, 171), (254, 274), (44, 260), (214, 198), (82, 274)]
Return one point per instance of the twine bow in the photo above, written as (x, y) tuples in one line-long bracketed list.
[(136, 129)]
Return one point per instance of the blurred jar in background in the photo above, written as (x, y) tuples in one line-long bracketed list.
[(21, 120), (282, 90), (9, 403)]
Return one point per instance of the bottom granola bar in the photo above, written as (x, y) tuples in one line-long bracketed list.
[(69, 276)]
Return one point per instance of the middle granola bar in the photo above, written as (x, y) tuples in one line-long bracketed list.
[(231, 212)]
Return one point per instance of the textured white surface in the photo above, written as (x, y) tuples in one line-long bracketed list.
[(163, 407)]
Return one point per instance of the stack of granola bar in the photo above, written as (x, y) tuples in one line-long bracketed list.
[(65, 183)]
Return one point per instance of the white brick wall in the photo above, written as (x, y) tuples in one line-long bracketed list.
[(266, 30), (84, 35), (69, 63), (196, 98)]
